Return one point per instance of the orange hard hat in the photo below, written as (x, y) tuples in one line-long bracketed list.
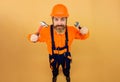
[(59, 10)]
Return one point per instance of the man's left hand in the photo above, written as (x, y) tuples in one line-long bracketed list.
[(84, 30)]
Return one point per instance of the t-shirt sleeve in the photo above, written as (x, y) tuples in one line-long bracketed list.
[(42, 36)]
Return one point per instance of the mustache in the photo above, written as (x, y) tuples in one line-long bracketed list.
[(59, 26)]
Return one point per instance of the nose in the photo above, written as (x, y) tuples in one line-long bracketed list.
[(59, 22)]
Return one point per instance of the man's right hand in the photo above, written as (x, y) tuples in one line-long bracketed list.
[(34, 38)]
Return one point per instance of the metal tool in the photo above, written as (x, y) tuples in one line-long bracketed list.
[(77, 24), (42, 24)]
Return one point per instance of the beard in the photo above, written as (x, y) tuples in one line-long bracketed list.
[(60, 28)]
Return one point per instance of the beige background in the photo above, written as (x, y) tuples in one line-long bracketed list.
[(96, 59)]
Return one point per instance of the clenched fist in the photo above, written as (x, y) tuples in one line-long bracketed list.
[(84, 30), (34, 38)]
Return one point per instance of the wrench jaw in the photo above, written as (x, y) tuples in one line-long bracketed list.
[(77, 24), (43, 24)]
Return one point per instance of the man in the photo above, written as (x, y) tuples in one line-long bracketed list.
[(58, 38)]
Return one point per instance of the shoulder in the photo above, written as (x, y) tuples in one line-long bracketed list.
[(45, 31), (71, 28)]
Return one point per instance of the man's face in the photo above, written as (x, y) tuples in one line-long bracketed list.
[(59, 24)]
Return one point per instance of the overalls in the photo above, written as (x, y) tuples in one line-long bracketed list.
[(60, 59)]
